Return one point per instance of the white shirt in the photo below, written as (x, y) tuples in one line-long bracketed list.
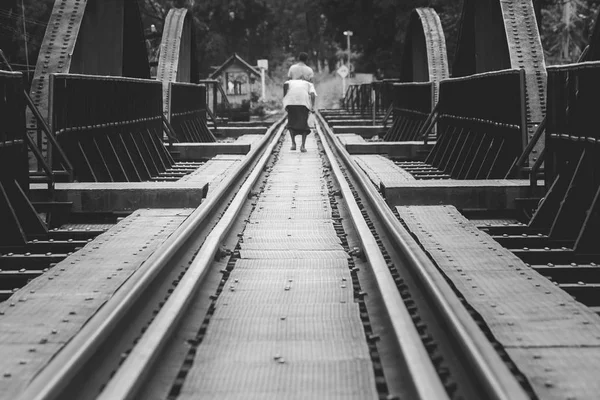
[(298, 93), (301, 71)]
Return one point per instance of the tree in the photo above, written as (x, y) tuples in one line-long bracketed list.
[(566, 27)]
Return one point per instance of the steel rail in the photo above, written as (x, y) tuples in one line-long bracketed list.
[(424, 377), (59, 372), (491, 371), (129, 378)]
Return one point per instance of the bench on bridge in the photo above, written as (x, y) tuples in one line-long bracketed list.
[(111, 128)]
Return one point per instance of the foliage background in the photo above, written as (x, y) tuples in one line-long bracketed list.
[(278, 29)]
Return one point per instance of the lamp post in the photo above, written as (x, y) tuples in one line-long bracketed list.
[(348, 34)]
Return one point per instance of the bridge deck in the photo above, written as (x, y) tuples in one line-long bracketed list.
[(552, 339), (214, 171), (287, 325), (399, 187), (39, 319)]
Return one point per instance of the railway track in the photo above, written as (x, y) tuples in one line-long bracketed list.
[(174, 330)]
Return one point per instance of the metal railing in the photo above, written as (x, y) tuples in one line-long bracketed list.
[(358, 98), (187, 112), (214, 93), (570, 209), (41, 142), (20, 221), (479, 134), (412, 106), (110, 128)]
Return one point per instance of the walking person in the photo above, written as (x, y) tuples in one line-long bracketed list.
[(299, 101), (300, 70)]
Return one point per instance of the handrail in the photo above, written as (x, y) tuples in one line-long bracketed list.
[(429, 123), (32, 146), (216, 84), (536, 166), (388, 114), (41, 160), (529, 148), (225, 99), (171, 134), (40, 120), (211, 116)]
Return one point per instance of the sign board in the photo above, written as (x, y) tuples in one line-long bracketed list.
[(263, 64), (343, 71)]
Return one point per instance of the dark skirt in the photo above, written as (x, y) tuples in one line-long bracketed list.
[(298, 120)]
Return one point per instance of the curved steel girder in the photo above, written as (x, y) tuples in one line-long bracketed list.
[(77, 38), (177, 61), (501, 34), (424, 58)]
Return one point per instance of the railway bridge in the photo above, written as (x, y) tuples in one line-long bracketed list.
[(436, 241)]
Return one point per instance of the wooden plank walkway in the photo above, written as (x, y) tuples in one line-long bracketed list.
[(214, 171), (381, 170), (39, 319), (553, 339), (287, 326), (249, 139), (346, 138)]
